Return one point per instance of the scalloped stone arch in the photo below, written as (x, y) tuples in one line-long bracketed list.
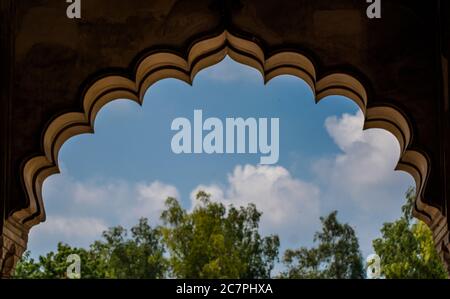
[(202, 54)]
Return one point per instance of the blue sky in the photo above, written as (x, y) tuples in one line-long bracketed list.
[(127, 168)]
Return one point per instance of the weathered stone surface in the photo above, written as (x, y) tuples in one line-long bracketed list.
[(50, 61)]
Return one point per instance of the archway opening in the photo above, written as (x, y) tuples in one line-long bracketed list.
[(326, 162)]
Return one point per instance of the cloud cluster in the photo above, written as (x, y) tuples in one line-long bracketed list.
[(363, 173), (78, 212), (359, 182), (290, 206), (82, 230)]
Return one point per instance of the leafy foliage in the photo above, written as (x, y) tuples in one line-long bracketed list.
[(54, 265), (337, 255), (210, 242), (114, 257), (406, 247), (141, 256), (213, 241)]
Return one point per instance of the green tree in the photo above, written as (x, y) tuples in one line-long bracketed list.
[(141, 256), (337, 255), (406, 247), (27, 267), (54, 264), (211, 242)]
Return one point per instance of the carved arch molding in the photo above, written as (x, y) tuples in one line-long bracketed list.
[(57, 73)]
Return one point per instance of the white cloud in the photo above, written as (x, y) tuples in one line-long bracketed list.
[(116, 200), (151, 198), (290, 206), (79, 211), (365, 168), (360, 182), (74, 227), (75, 231)]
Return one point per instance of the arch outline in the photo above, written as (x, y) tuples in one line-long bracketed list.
[(204, 53)]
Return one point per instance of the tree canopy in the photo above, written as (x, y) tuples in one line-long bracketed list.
[(115, 256), (211, 242), (337, 255), (215, 241), (406, 247)]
